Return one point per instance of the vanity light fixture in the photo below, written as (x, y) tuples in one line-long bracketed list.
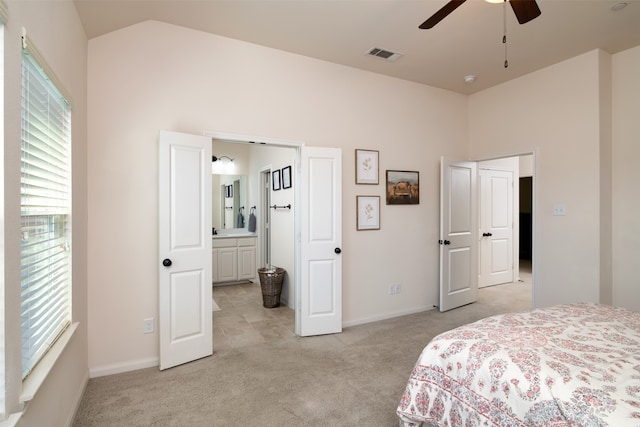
[(214, 158)]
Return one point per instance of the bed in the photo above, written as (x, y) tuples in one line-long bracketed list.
[(568, 365)]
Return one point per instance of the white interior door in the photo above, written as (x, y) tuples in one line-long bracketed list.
[(496, 227), (184, 241), (458, 239), (319, 302)]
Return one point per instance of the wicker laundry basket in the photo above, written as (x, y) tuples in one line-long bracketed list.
[(271, 283)]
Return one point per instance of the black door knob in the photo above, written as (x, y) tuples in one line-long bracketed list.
[(447, 242), (487, 234), (337, 250), (166, 262)]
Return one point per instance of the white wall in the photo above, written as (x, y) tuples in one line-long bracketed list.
[(155, 76), (526, 165), (56, 32), (626, 176), (556, 113)]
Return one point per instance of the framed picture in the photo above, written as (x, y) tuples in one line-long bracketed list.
[(403, 187), (275, 179), (286, 177), (228, 190), (368, 211), (367, 167)]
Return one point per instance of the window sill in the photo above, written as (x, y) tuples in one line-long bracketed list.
[(33, 382), (12, 421)]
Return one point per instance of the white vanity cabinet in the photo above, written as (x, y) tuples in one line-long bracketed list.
[(247, 258), (234, 259)]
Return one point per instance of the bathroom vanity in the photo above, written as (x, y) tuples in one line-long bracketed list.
[(234, 257)]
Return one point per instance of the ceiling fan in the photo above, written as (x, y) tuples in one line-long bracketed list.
[(525, 11)]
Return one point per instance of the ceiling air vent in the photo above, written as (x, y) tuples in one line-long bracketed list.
[(384, 54)]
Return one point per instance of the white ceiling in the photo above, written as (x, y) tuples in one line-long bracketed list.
[(468, 41)]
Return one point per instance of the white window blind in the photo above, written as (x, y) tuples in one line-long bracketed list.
[(45, 213)]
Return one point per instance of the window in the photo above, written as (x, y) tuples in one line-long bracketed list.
[(45, 212)]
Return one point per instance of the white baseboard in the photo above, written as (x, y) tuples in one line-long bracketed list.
[(386, 316), (78, 400), (118, 368)]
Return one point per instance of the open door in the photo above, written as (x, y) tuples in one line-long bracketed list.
[(458, 238), (496, 227), (319, 301), (185, 276)]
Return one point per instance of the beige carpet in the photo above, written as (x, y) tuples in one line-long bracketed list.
[(348, 379)]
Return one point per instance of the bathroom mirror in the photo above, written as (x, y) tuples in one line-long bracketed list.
[(229, 208)]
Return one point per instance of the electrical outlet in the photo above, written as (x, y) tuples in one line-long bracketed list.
[(148, 325), (559, 209)]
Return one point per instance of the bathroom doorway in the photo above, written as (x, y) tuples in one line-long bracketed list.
[(241, 318), (300, 238)]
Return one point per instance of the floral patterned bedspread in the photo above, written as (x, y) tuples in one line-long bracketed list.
[(568, 365)]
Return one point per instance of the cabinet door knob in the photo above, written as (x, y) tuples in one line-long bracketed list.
[(166, 262)]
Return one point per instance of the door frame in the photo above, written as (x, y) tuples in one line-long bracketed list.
[(265, 223), (297, 218), (534, 213)]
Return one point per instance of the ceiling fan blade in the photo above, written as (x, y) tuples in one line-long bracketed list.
[(525, 10), (441, 14)]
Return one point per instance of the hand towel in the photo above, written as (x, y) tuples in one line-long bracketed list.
[(252, 223)]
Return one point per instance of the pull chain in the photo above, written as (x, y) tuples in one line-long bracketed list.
[(504, 34)]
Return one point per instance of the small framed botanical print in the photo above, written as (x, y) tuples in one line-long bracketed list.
[(368, 212), (367, 167)]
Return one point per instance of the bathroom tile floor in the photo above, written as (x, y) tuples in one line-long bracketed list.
[(243, 320)]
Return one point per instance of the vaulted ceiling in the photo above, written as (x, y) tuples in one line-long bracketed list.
[(467, 42)]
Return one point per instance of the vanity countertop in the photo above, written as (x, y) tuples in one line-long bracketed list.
[(234, 235)]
